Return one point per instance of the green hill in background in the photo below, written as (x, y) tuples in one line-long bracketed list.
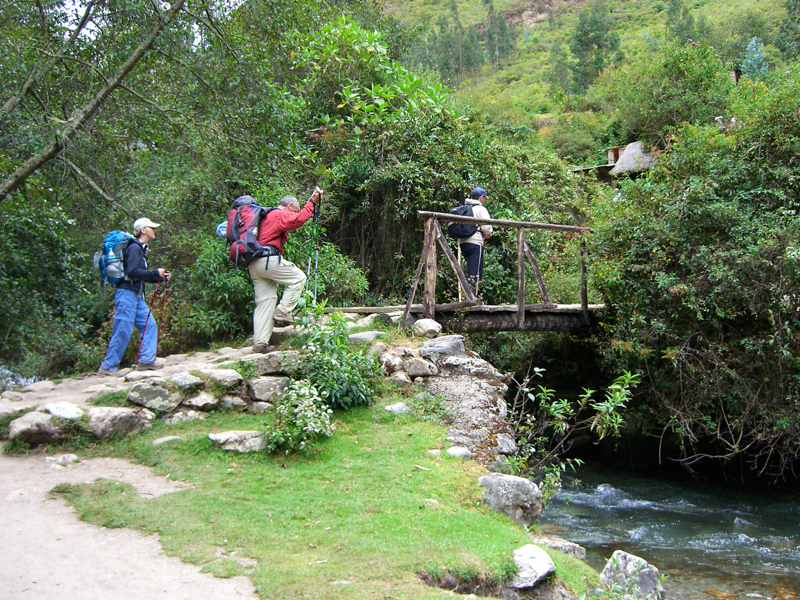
[(535, 81)]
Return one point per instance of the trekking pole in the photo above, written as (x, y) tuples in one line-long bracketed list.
[(163, 302), (317, 213), (149, 312)]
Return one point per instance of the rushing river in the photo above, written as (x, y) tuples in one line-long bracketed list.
[(711, 541)]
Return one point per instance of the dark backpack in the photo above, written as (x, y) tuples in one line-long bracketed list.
[(244, 221), (110, 259), (461, 230)]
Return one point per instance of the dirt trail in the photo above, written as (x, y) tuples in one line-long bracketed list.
[(47, 553)]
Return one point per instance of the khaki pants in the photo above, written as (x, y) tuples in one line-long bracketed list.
[(267, 273)]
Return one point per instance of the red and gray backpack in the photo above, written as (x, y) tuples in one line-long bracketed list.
[(244, 221)]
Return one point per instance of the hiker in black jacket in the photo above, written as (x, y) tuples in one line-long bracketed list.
[(131, 307)]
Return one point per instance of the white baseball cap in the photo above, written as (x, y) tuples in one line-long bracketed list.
[(140, 224)]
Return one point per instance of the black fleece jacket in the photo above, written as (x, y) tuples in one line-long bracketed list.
[(136, 271)]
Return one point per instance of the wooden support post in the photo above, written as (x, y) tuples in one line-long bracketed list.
[(429, 298), (584, 295), (520, 277), (538, 275), (415, 282), (462, 278)]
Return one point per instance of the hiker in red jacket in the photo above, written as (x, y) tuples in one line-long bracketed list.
[(268, 271)]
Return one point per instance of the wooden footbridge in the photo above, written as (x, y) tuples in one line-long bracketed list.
[(471, 315)]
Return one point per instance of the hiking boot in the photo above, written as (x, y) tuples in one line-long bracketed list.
[(104, 371), (280, 315), (153, 366), (263, 348)]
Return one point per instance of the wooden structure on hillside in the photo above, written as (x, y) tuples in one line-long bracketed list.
[(471, 314)]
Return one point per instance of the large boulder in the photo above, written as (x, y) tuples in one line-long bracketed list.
[(427, 328), (276, 362), (239, 441), (448, 345), (156, 394), (267, 389), (419, 367), (35, 428), (470, 365), (533, 565), (117, 421), (517, 497), (633, 576)]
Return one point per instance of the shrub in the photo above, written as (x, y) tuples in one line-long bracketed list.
[(301, 416)]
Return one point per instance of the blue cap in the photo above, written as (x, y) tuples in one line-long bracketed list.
[(478, 192)]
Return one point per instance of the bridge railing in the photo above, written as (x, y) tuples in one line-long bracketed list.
[(428, 259)]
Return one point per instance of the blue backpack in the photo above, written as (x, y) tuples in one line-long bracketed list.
[(110, 259)]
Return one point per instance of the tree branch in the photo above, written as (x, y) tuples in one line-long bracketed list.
[(88, 110)]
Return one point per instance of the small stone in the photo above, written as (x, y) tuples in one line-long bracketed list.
[(459, 452), (202, 401), (434, 452), (39, 386), (365, 336), (232, 403), (239, 441), (62, 410), (377, 348), (257, 407), (187, 382), (12, 396), (400, 377), (400, 408), (167, 439)]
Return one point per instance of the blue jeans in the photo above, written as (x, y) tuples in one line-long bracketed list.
[(131, 310)]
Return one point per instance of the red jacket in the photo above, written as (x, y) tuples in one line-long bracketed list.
[(277, 224)]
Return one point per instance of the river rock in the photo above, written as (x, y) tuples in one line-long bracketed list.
[(560, 544), (239, 441), (35, 428), (633, 575), (377, 349), (517, 497), (427, 328), (448, 345), (533, 565), (267, 389), (201, 401), (117, 421), (227, 378), (276, 362), (156, 394), (62, 410), (187, 383)]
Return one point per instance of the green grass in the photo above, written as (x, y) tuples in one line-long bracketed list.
[(369, 506)]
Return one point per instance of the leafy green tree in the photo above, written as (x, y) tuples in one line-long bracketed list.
[(680, 22), (675, 84), (593, 45), (557, 73), (788, 38)]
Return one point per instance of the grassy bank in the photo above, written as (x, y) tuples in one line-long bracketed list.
[(359, 517)]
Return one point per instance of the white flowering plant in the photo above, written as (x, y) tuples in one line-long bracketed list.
[(301, 417)]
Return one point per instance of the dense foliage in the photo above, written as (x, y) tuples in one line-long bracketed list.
[(699, 260)]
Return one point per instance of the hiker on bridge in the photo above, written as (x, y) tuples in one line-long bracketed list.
[(268, 271), (472, 247), (131, 306)]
